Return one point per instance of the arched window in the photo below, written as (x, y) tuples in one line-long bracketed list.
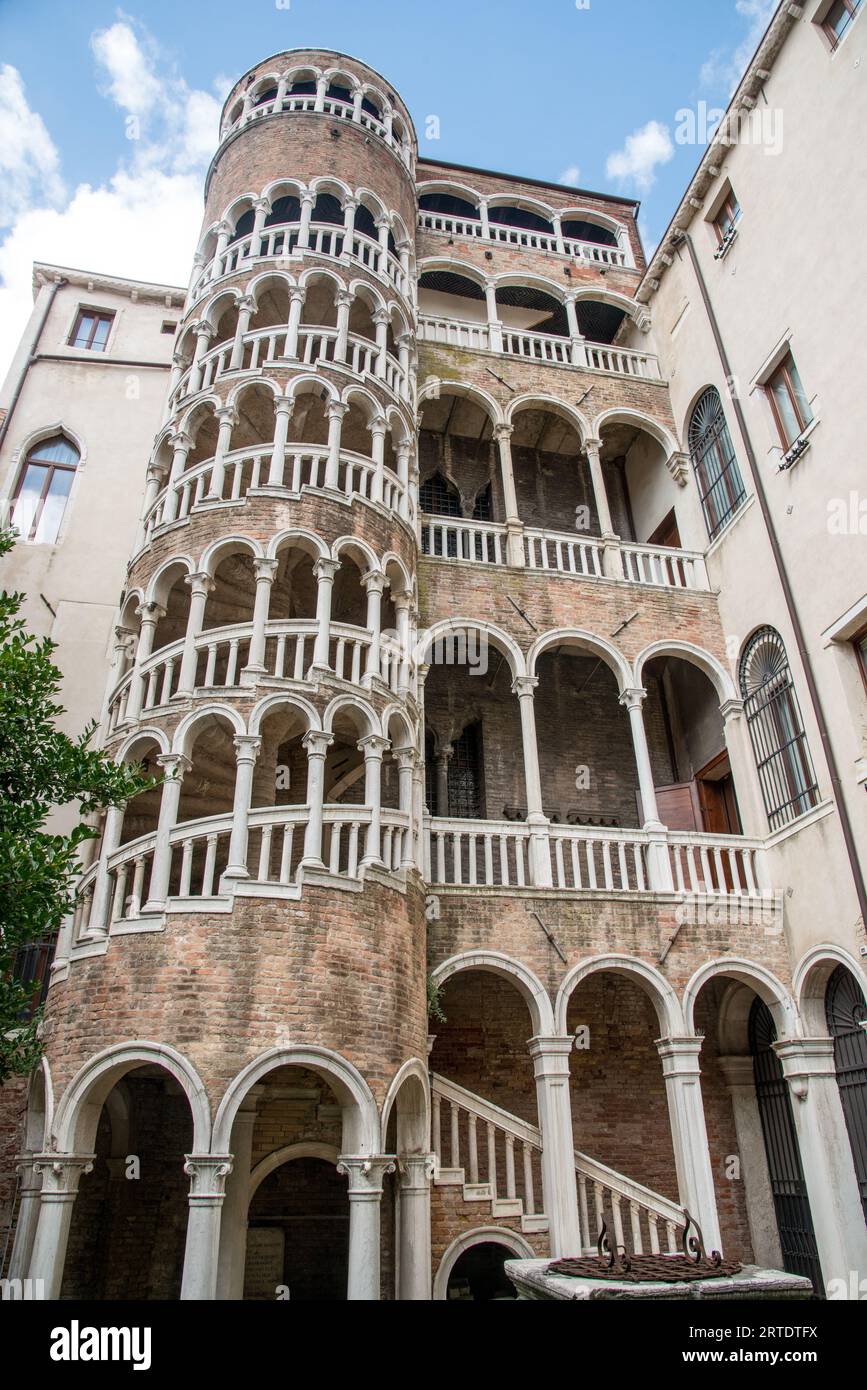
[(43, 489), (716, 467), (774, 718), (438, 497)]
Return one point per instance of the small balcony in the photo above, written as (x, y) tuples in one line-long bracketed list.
[(553, 350), (581, 234)]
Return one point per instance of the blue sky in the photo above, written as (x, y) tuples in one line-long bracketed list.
[(553, 90)]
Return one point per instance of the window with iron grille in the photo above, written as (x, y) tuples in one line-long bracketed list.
[(466, 775), (438, 497), (713, 457), (779, 742)]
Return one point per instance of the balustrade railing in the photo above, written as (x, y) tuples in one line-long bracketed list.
[(550, 550), (547, 242), (673, 569), (332, 106), (538, 347), (451, 539), (301, 466), (265, 347), (325, 239)]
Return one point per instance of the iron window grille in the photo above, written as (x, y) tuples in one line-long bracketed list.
[(720, 484), (779, 742)]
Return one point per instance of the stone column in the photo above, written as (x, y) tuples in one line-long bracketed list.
[(200, 586), (754, 820), (297, 298), (658, 858), (335, 414), (155, 479), (29, 1195), (233, 1225), (495, 327), (61, 1174), (404, 347), (414, 1243), (261, 209), (383, 227), (406, 761), (247, 748), (378, 430), (246, 309), (374, 583), (321, 90), (204, 333), (344, 301), (265, 572), (100, 909), (181, 444), (350, 208), (579, 350), (514, 526), (443, 758), (207, 1174), (283, 414), (365, 1196), (381, 320), (600, 495), (123, 638), (540, 852), (483, 217), (317, 743), (324, 571), (826, 1159), (402, 607), (228, 419), (150, 614), (764, 1235), (175, 766), (308, 202), (559, 1187), (373, 748), (682, 1073), (557, 224)]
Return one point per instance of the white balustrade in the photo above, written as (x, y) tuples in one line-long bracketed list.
[(495, 1155), (539, 347), (333, 106), (450, 539), (469, 852), (717, 864), (639, 1220), (568, 554), (602, 357), (454, 332), (546, 242), (673, 569)]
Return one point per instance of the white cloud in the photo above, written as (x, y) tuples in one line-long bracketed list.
[(643, 150), (29, 162), (143, 221), (648, 240), (570, 176), (724, 67)]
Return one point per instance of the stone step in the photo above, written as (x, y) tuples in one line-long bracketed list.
[(507, 1207), (478, 1192), (450, 1177)]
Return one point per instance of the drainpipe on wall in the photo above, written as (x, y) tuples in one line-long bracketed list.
[(22, 376), (679, 238)]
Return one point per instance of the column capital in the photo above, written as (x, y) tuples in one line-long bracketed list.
[(374, 581), (247, 747), (207, 1174), (402, 598), (284, 405), (246, 301), (503, 433), (731, 709), (298, 294), (336, 410), (344, 299), (181, 440), (317, 742), (150, 612), (200, 583), (405, 757), (366, 1174), (308, 199), (524, 686), (633, 698), (176, 766), (550, 1055), (265, 570), (203, 329), (678, 466), (373, 746), (61, 1174), (381, 316), (591, 445), (806, 1059), (379, 426), (680, 1056), (227, 415), (351, 204), (326, 569), (416, 1171), (261, 204)]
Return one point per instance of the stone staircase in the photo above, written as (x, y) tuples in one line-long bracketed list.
[(495, 1159)]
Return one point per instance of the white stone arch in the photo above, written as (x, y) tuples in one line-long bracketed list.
[(376, 95), (360, 1115), (397, 711), (343, 76), (208, 314), (527, 983), (199, 408), (218, 550), (401, 232), (351, 702), (268, 1165), (265, 79), (435, 388), (310, 383), (480, 1235), (452, 188), (156, 590), (39, 1121), (280, 188), (359, 545), (415, 1135), (810, 983), (696, 656), (280, 700), (79, 1109), (588, 641), (455, 265), (518, 279), (522, 201), (251, 384), (371, 294), (299, 539), (539, 400), (459, 627), (390, 558), (149, 731), (579, 213), (302, 70), (365, 400), (622, 415), (183, 741), (238, 206), (268, 277), (652, 982), (599, 295), (316, 274), (329, 183), (756, 977), (373, 202)]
